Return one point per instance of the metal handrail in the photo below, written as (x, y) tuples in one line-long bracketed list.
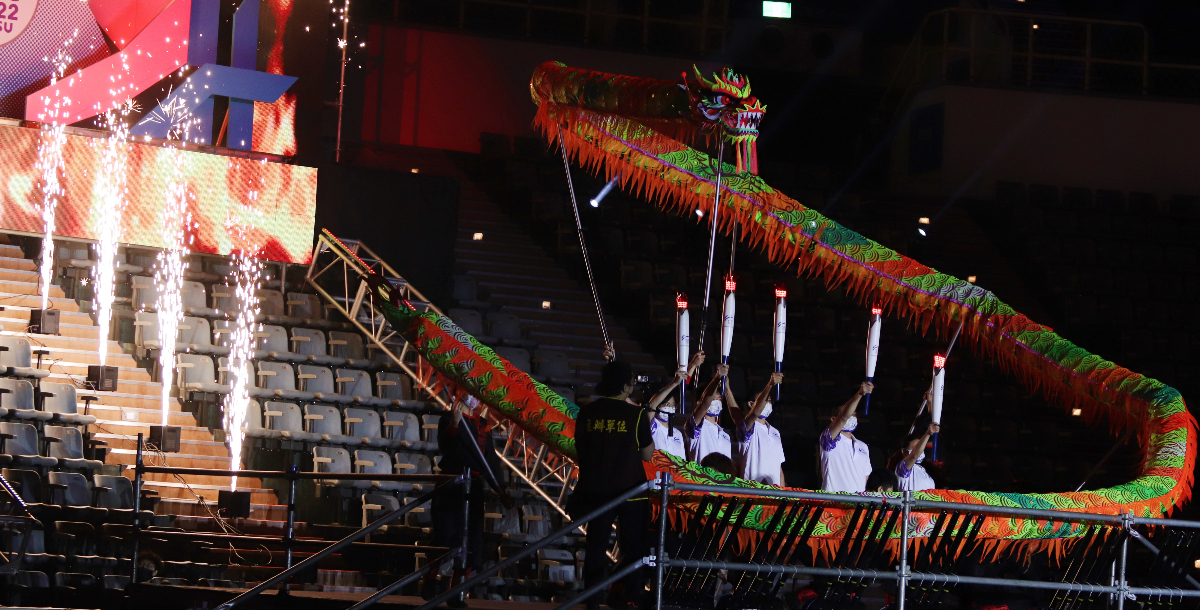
[(535, 547), (284, 474), (312, 560)]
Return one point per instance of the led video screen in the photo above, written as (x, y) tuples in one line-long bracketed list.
[(234, 203)]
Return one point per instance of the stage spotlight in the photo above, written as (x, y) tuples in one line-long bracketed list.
[(971, 279), (477, 237), (700, 213), (416, 171), (1076, 412), (924, 220), (545, 304), (922, 232)]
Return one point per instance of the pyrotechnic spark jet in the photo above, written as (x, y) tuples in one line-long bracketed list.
[(108, 211), (241, 350), (50, 161), (168, 276)]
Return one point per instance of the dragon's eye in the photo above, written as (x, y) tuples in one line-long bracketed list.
[(722, 100)]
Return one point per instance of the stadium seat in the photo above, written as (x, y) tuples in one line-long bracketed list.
[(70, 490), (419, 516), (357, 385), (364, 425), (555, 367), (404, 428), (19, 446), (376, 505), (224, 299), (350, 347), (280, 380), (307, 309), (326, 420), (197, 374), (145, 293), (429, 430), (285, 418), (60, 399), (378, 462), (506, 328), (115, 493), (270, 307), (66, 445), (195, 300), (335, 460), (414, 463), (36, 555), (225, 377), (319, 380), (311, 343), (28, 484), (17, 398), (396, 389), (16, 358), (466, 293), (82, 550), (146, 331), (253, 423), (196, 334), (471, 322), (271, 343)]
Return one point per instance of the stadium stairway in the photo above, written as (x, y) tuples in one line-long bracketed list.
[(517, 275), (134, 407)]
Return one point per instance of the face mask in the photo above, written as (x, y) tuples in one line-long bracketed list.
[(851, 424), (714, 408), (767, 410), (666, 411)]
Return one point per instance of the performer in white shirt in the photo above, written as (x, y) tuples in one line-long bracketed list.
[(845, 460), (704, 434), (911, 473), (759, 451), (662, 406)]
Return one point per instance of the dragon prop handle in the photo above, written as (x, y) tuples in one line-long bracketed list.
[(640, 129)]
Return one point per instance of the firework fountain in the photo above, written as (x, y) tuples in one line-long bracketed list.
[(241, 350), (50, 162), (108, 210)]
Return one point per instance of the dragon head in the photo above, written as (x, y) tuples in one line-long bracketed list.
[(725, 103)]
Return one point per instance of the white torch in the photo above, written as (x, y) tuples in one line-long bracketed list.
[(872, 350), (939, 390), (780, 330), (684, 344), (727, 314)]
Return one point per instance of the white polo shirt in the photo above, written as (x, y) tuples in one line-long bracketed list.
[(760, 452), (706, 438), (916, 479), (667, 439), (845, 463)]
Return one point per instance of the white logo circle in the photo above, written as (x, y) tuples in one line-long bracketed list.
[(15, 16)]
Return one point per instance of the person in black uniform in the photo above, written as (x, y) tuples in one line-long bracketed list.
[(612, 439), (457, 432)]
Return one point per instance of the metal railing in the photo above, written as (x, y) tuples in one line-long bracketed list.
[(336, 277), (1041, 51), (292, 475)]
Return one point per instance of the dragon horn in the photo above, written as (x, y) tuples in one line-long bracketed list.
[(703, 81)]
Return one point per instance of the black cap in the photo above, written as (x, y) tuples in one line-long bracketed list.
[(613, 378)]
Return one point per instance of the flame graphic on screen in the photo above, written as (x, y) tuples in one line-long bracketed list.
[(275, 123)]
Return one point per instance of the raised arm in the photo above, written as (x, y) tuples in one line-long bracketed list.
[(760, 401), (666, 391), (911, 459), (847, 409), (708, 394), (731, 403)]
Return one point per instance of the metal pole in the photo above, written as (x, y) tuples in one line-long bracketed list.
[(660, 557), (337, 150), (712, 241), (137, 507), (1122, 584), (291, 521), (906, 504), (466, 530), (587, 262)]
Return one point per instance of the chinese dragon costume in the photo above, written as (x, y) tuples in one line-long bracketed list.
[(643, 130)]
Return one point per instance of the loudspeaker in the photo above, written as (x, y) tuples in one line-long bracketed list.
[(44, 321), (166, 438), (233, 504), (102, 378)]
